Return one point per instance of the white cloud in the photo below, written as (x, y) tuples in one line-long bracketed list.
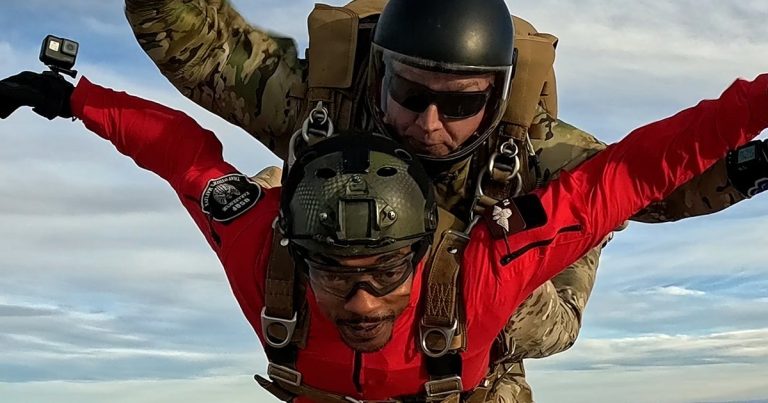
[(676, 291), (734, 383), (659, 368)]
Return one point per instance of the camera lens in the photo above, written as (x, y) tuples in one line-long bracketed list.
[(69, 48)]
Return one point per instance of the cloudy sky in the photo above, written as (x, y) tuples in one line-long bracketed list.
[(108, 292)]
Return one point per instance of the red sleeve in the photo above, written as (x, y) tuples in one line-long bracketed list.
[(158, 138), (172, 145), (583, 206), (234, 214)]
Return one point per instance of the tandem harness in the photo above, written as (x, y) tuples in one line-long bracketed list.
[(284, 321)]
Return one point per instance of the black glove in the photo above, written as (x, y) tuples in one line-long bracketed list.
[(47, 93)]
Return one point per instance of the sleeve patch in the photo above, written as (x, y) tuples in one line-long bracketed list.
[(228, 197)]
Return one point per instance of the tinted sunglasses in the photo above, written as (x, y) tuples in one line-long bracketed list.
[(450, 104), (344, 281)]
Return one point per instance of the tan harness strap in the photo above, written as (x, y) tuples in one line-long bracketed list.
[(536, 56), (286, 392), (442, 306), (440, 310), (278, 318)]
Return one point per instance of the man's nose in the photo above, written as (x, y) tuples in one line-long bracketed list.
[(362, 303), (429, 120)]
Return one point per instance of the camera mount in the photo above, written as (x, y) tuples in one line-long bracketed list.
[(59, 54)]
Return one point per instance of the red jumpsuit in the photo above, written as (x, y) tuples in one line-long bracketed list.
[(582, 207)]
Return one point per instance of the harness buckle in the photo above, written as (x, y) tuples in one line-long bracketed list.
[(284, 374), (447, 334), (507, 161), (268, 321), (317, 124), (442, 388)]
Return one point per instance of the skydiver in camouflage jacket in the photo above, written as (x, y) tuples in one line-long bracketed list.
[(256, 80)]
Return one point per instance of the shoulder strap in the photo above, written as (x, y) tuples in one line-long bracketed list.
[(442, 328), (284, 318), (338, 59), (534, 80)]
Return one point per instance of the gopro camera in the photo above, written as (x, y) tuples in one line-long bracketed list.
[(748, 168), (59, 54)]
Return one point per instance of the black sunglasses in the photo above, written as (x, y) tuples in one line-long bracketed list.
[(450, 104)]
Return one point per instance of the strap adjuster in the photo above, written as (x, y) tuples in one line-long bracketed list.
[(446, 333), (268, 321), (318, 124), (284, 374), (441, 388)]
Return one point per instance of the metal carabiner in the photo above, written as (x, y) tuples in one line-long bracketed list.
[(323, 128)]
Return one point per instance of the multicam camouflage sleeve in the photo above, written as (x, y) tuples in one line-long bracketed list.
[(546, 323), (549, 320), (705, 194), (568, 146), (215, 58)]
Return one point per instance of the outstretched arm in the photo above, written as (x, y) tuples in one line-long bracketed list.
[(583, 206), (159, 139), (707, 193), (648, 165), (215, 58)]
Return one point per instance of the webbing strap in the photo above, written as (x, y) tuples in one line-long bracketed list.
[(439, 322), (278, 318)]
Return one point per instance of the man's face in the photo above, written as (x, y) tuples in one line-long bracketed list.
[(365, 321), (430, 131)]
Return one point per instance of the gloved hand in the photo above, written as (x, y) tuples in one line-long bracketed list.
[(47, 93)]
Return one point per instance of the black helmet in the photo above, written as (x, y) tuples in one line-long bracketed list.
[(457, 37), (357, 194)]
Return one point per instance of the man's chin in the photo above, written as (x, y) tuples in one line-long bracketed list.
[(433, 150), (367, 339)]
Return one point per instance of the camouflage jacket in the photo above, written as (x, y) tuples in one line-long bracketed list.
[(255, 80)]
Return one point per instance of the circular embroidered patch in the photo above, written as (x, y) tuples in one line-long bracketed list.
[(229, 196)]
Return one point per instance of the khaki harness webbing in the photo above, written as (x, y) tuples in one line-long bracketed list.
[(336, 72), (280, 286), (441, 307), (281, 292), (279, 289), (443, 326), (534, 77), (286, 392)]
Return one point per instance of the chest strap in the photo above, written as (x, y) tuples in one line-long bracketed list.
[(284, 318), (278, 317), (442, 328)]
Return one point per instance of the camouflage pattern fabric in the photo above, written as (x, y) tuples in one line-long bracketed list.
[(208, 52), (255, 80), (268, 177)]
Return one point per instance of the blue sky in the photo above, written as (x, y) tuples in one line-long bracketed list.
[(108, 292)]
